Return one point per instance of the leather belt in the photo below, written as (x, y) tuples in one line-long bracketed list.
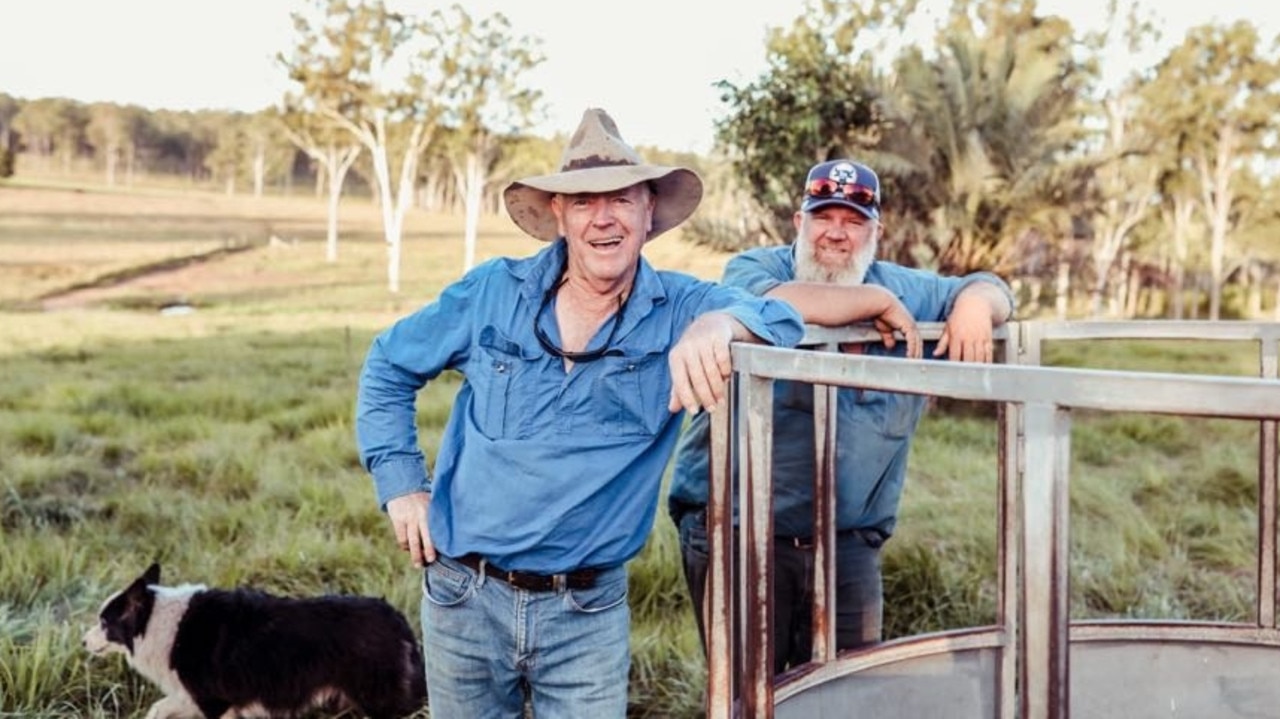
[(528, 581), (797, 542)]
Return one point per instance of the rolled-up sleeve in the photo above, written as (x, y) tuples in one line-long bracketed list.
[(775, 322), (975, 277)]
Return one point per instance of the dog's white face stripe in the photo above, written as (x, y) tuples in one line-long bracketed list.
[(151, 649)]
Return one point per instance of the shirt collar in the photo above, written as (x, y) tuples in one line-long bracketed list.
[(543, 270)]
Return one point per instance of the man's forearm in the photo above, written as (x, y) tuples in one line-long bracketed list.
[(833, 305)]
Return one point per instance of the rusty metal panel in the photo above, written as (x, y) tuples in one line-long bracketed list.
[(825, 409), (1044, 597), (755, 516), (718, 605)]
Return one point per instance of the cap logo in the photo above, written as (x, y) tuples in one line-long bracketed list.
[(844, 172)]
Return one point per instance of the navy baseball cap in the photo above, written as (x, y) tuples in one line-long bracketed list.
[(842, 182)]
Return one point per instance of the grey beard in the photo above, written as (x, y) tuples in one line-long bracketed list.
[(851, 275)]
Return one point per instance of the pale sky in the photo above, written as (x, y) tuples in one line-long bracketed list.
[(652, 64)]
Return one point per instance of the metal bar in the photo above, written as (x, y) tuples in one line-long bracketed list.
[(1008, 549), (825, 409), (1216, 330), (755, 508), (1268, 587), (1159, 393), (1043, 644), (718, 619)]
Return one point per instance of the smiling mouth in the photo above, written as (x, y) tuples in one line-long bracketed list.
[(606, 242)]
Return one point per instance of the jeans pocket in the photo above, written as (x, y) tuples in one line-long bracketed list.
[(600, 598), (447, 586)]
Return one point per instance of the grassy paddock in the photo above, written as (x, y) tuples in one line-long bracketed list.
[(220, 443)]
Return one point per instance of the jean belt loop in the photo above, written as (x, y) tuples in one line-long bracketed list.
[(559, 583), (482, 573)]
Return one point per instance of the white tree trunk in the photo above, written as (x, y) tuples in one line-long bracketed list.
[(473, 188), (338, 163), (259, 170), (1062, 293)]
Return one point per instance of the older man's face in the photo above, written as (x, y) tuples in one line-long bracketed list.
[(605, 231), (835, 244)]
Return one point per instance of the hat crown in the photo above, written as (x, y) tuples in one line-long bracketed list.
[(853, 181), (597, 143), (846, 171), (597, 160)]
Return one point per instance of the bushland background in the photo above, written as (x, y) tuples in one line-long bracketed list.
[(179, 373)]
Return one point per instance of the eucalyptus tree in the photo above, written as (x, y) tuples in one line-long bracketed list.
[(9, 107), (1215, 95), (331, 148), (375, 74), (52, 126), (227, 157), (269, 150), (484, 97), (818, 98), (108, 133), (1121, 152)]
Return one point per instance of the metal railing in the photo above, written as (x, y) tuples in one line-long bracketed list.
[(1021, 665)]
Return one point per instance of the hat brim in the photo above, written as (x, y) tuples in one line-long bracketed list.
[(677, 192), (811, 205)]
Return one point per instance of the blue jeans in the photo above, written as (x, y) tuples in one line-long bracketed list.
[(490, 647), (859, 589)]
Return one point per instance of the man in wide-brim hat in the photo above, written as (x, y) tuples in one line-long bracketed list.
[(578, 363)]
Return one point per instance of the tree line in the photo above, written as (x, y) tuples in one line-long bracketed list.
[(1012, 141)]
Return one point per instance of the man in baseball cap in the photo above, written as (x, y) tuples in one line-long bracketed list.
[(831, 275)]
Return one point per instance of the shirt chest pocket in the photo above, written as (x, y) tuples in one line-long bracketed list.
[(502, 401), (631, 394)]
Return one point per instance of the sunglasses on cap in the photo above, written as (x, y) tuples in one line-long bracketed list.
[(824, 188)]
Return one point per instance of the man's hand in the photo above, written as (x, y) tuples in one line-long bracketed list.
[(408, 515), (893, 317), (700, 362), (967, 336)]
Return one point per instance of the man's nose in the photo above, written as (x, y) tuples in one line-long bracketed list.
[(602, 213)]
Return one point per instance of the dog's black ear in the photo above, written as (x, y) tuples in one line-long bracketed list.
[(127, 614)]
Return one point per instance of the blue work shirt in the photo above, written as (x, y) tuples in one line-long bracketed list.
[(874, 428), (539, 469)]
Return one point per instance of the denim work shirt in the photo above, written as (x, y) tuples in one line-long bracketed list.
[(874, 428), (539, 469)]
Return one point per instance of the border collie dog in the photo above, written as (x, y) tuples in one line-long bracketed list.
[(244, 653)]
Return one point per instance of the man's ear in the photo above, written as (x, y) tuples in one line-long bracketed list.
[(557, 209)]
